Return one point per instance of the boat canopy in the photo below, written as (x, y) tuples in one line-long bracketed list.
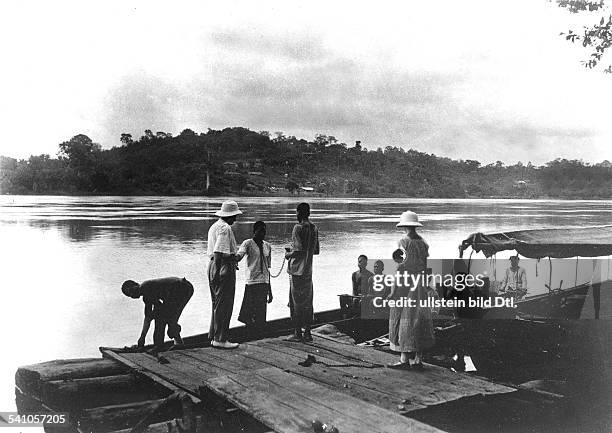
[(555, 243)]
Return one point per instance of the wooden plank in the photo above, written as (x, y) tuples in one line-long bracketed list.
[(231, 359), (346, 369), (66, 395), (115, 417), (225, 360), (148, 366), (29, 378), (348, 381), (373, 385), (205, 366), (434, 372), (415, 389), (288, 403), (306, 349)]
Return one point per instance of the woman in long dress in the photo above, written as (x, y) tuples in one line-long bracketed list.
[(411, 328)]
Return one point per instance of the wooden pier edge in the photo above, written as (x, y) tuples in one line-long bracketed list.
[(109, 354)]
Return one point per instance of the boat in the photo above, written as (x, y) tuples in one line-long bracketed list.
[(549, 243)]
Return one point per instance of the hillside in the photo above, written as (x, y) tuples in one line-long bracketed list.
[(240, 161)]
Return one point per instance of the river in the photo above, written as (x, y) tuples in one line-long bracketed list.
[(64, 258)]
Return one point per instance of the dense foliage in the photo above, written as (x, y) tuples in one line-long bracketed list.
[(237, 160), (596, 37)]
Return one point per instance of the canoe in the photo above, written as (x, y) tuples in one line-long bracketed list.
[(549, 243)]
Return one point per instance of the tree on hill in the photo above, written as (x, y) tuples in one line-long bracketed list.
[(82, 155)]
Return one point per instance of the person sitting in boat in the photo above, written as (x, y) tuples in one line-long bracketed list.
[(514, 283), (361, 276), (379, 267), (164, 299), (369, 307), (257, 291)]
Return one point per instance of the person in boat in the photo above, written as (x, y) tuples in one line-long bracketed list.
[(164, 299), (257, 291), (369, 309), (514, 283), (361, 276), (222, 250), (379, 267), (304, 245), (411, 328)]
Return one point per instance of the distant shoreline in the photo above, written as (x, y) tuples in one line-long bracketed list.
[(305, 196)]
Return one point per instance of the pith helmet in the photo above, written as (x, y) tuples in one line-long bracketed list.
[(409, 219), (228, 208)]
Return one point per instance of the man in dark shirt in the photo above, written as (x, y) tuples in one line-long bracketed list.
[(164, 299)]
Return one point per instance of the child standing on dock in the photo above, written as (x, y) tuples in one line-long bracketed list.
[(164, 299), (257, 291)]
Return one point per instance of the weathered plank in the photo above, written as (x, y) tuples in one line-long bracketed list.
[(114, 417), (354, 371), (231, 359), (414, 388), (432, 374), (170, 378), (306, 349), (349, 381), (206, 366), (202, 426), (288, 403), (66, 395), (29, 378)]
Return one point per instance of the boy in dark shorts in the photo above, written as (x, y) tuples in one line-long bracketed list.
[(164, 299), (257, 292)]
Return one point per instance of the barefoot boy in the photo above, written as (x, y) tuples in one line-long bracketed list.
[(164, 300), (361, 277), (257, 292)]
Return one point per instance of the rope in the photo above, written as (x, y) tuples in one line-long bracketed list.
[(280, 270)]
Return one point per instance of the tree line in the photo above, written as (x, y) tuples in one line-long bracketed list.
[(238, 160)]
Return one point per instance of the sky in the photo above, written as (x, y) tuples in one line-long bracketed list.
[(475, 79)]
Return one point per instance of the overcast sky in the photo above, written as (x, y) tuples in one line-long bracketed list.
[(482, 80)]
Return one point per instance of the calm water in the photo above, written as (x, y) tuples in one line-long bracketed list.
[(64, 258)]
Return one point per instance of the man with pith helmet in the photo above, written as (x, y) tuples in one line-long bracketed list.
[(222, 249)]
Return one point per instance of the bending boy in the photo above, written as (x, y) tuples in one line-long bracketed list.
[(164, 299)]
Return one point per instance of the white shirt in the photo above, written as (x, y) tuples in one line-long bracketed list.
[(256, 271), (515, 279), (221, 239)]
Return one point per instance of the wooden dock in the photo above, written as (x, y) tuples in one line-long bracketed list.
[(276, 383)]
